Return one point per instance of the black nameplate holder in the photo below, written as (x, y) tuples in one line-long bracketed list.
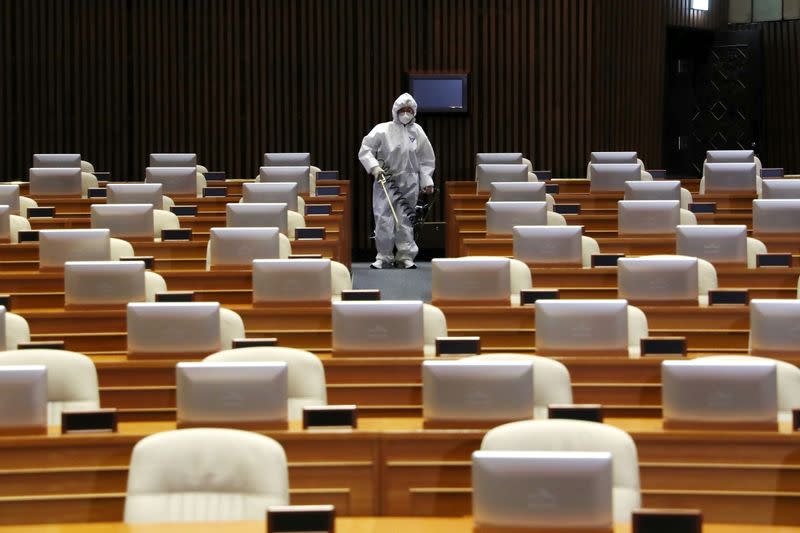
[(96, 421), (361, 295), (255, 342), (41, 345), (181, 234), (103, 176), (28, 236), (543, 175), (5, 301), (214, 175), (97, 192), (605, 260), (590, 412), (567, 209), (215, 192), (330, 416), (663, 346), (773, 260), (795, 419), (318, 209), (327, 175), (175, 296), (703, 207), (309, 233), (41, 212), (148, 260), (448, 346), (551, 188), (728, 297), (529, 296), (329, 190), (667, 521), (301, 518), (184, 210), (658, 174), (771, 172), (305, 256)]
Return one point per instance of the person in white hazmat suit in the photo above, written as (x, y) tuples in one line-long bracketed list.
[(400, 150)]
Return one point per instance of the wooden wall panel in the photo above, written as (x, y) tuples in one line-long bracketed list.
[(118, 79)]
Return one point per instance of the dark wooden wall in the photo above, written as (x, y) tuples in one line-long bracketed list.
[(118, 79)]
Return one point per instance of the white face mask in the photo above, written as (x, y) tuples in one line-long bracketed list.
[(405, 118)]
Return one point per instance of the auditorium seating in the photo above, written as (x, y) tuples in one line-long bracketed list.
[(205, 474), (17, 331), (71, 379), (577, 435)]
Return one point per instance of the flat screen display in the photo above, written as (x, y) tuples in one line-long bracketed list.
[(439, 93)]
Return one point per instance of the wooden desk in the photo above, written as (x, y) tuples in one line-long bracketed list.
[(343, 525), (394, 467)]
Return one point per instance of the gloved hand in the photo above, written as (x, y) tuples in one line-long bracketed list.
[(377, 172), (428, 189)]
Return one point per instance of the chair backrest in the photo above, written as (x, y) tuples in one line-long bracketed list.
[(25, 203), (17, 224), (294, 220), (555, 219), (205, 474), (434, 324), (153, 284), (706, 274), (71, 379), (688, 218), (306, 373), (120, 248), (340, 279), (788, 381), (589, 247), (87, 167), (231, 327), (755, 248), (578, 436), (17, 331), (551, 381), (284, 249), (88, 181), (201, 184), (164, 220), (637, 328)]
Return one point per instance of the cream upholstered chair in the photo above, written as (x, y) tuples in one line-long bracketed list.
[(589, 247), (284, 249), (434, 324), (577, 436), (17, 331), (201, 183), (555, 219), (24, 204), (205, 474), (520, 273), (637, 328), (87, 167), (71, 379), (688, 218), (164, 220), (788, 381), (758, 185), (306, 373), (201, 169), (120, 248), (294, 220), (643, 174), (551, 381), (301, 205), (706, 277), (312, 180), (341, 280), (231, 327), (755, 248), (153, 284), (88, 181), (167, 203), (17, 224), (686, 198)]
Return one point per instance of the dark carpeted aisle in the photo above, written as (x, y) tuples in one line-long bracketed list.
[(395, 283)]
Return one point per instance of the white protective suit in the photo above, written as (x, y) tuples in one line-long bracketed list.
[(405, 153)]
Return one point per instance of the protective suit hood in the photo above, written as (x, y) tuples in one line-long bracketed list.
[(404, 100)]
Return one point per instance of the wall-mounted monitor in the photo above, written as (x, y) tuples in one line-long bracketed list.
[(439, 93)]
